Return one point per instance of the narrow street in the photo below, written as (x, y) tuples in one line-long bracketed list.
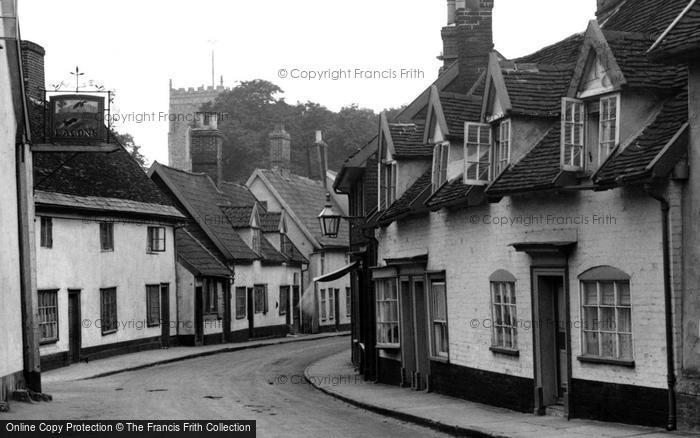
[(265, 384)]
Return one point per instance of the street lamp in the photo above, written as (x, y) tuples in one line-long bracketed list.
[(329, 219)]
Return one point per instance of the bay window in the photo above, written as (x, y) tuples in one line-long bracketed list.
[(387, 313), (477, 153)]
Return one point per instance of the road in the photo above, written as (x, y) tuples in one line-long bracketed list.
[(265, 384)]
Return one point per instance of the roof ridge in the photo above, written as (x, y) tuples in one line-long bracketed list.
[(673, 24)]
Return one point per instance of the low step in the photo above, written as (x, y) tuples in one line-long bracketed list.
[(555, 411)]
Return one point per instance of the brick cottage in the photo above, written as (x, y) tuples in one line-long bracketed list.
[(535, 224)]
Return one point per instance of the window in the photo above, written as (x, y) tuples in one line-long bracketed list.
[(286, 245), (348, 301), (390, 180), (107, 236), (441, 157), (438, 318), (260, 298), (609, 132), (607, 314), (504, 333), (240, 302), (323, 304), (108, 307), (387, 313), (572, 133), (284, 299), (477, 150), (211, 297), (323, 263), (331, 303), (48, 316), (153, 305), (46, 232), (257, 238), (502, 149), (156, 239)]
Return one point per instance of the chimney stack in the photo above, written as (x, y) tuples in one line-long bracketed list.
[(280, 148), (468, 39), (317, 158), (206, 147), (34, 82)]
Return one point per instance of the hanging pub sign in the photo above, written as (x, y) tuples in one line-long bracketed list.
[(77, 119)]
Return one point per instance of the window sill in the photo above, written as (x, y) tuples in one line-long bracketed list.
[(107, 250), (505, 351), (111, 332), (443, 359), (48, 342), (238, 318), (606, 361), (388, 347), (152, 325)]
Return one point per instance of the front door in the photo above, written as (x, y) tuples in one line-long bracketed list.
[(421, 334), (551, 334), (251, 314), (74, 325), (198, 316), (165, 315), (295, 309), (408, 352)]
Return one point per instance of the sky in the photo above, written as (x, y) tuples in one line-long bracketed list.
[(136, 46)]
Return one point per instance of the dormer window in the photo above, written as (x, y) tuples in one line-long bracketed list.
[(257, 238), (501, 157), (590, 131), (441, 159), (609, 132), (389, 181), (477, 152)]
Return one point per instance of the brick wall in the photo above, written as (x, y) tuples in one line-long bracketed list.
[(469, 248), (205, 152)]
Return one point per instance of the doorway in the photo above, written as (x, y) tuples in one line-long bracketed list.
[(415, 360), (551, 335), (198, 316), (165, 315), (74, 325), (251, 313), (296, 319)]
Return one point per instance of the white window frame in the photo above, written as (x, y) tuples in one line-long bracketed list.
[(572, 142), (383, 303), (436, 352), (48, 316), (606, 329), (479, 145), (324, 312), (502, 147), (508, 301), (441, 160), (609, 144), (391, 181)]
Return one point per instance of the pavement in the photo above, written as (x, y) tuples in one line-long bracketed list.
[(144, 359), (335, 376)]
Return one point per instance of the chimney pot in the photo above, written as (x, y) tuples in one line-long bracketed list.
[(451, 12), (319, 136)]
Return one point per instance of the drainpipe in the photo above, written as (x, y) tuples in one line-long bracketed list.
[(670, 361)]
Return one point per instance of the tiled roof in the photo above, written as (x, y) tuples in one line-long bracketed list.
[(98, 204), (198, 257), (450, 193), (645, 16), (270, 221), (536, 90), (631, 163), (410, 202), (537, 170), (563, 52), (269, 253), (684, 36), (199, 191), (630, 52), (306, 198), (238, 194), (239, 217), (460, 108), (96, 174), (408, 140)]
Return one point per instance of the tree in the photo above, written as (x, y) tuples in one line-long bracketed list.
[(127, 140), (253, 108)]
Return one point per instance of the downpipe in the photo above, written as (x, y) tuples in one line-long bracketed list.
[(668, 302)]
